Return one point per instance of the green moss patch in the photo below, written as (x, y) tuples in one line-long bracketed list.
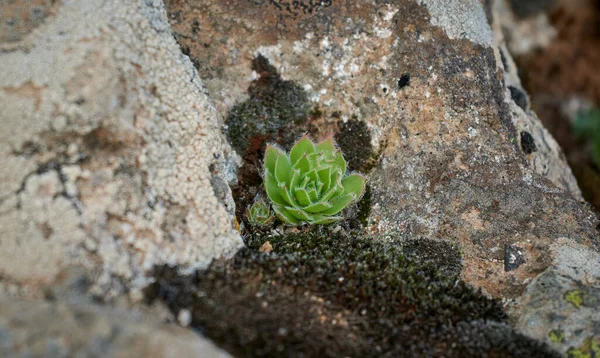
[(319, 294)]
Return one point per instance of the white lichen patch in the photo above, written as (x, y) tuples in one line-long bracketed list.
[(461, 19), (107, 145)]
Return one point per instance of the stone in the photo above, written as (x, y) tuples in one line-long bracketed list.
[(61, 329), (458, 153), (112, 153)]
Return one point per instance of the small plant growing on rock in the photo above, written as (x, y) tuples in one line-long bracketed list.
[(310, 184), (259, 214)]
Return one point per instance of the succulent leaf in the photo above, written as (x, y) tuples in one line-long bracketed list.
[(271, 155), (312, 175), (338, 203), (354, 183), (285, 194), (299, 214), (312, 194), (339, 162), (283, 168), (329, 194), (327, 146), (302, 164), (302, 196), (285, 215), (326, 220), (273, 189), (303, 146), (325, 176), (317, 207), (294, 181), (309, 185)]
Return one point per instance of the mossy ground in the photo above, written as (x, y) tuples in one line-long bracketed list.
[(276, 110), (320, 294)]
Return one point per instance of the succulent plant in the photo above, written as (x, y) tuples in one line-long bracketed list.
[(310, 184), (259, 213)]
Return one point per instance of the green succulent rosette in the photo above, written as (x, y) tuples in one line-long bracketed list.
[(259, 213), (310, 184)]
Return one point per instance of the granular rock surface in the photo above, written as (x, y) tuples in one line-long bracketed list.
[(459, 155)]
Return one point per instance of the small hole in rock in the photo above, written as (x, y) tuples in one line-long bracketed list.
[(404, 81)]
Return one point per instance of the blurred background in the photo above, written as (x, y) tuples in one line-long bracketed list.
[(556, 45)]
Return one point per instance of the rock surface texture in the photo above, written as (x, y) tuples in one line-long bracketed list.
[(112, 155), (459, 155), (114, 162), (30, 329)]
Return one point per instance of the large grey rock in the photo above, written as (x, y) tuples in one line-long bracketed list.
[(111, 152), (59, 329), (461, 155)]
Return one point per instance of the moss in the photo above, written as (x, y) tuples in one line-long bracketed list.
[(274, 112), (354, 139), (556, 336), (364, 207), (441, 254), (324, 294), (575, 297), (589, 349)]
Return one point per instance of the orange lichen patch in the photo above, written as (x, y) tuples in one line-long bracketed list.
[(28, 90)]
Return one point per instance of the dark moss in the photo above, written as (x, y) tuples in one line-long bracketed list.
[(442, 254), (354, 140), (273, 112), (320, 294), (295, 8), (364, 207)]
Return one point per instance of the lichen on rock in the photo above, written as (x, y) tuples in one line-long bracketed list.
[(106, 144)]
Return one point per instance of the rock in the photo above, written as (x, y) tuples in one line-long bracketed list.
[(564, 298), (112, 153), (459, 154), (59, 329)]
